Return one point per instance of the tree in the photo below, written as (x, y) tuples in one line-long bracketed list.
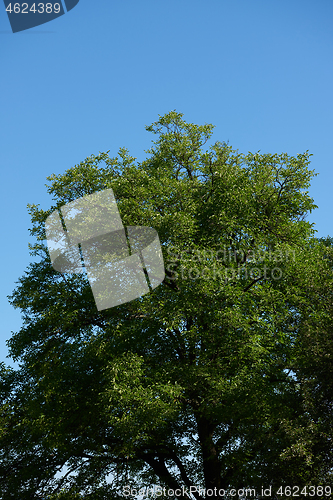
[(208, 381)]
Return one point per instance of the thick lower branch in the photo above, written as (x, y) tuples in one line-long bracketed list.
[(211, 463)]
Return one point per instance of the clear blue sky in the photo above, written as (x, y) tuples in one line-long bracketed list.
[(89, 81)]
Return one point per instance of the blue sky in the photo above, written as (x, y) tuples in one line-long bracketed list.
[(260, 70)]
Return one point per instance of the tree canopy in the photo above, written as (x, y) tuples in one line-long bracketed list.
[(218, 379)]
